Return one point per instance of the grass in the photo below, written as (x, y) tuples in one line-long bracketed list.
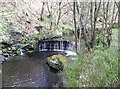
[(93, 69), (96, 69)]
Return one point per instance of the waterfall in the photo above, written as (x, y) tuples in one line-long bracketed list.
[(55, 45)]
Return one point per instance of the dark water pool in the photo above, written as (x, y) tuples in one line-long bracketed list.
[(29, 70)]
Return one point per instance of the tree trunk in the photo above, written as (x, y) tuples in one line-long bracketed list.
[(92, 26), (119, 14), (41, 18), (79, 25), (74, 14), (59, 14)]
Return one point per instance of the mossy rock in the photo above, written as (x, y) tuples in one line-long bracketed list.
[(9, 48), (4, 50), (6, 54), (57, 61), (9, 51), (14, 48), (18, 52), (1, 52)]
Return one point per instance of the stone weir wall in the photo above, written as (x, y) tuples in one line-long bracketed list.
[(55, 45)]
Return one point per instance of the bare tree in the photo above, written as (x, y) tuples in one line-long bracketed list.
[(75, 24), (42, 11), (109, 18), (59, 13), (96, 11)]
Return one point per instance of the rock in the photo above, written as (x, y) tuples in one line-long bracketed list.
[(2, 58), (14, 48), (9, 51), (21, 51), (5, 44), (70, 53), (16, 36), (4, 50), (18, 52), (9, 48), (5, 39), (57, 61), (28, 48), (1, 52), (5, 54)]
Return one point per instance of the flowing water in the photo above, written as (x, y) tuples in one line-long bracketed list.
[(29, 70)]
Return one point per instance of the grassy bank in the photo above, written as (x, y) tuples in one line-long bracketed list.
[(96, 69)]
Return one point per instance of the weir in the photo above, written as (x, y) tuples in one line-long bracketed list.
[(55, 45)]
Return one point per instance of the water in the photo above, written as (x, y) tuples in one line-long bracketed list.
[(29, 70)]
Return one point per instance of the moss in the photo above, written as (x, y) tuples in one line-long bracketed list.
[(14, 48), (9, 51), (59, 57), (4, 50), (6, 54), (18, 52), (57, 61)]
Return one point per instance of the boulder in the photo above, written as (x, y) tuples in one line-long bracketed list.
[(16, 37), (57, 61)]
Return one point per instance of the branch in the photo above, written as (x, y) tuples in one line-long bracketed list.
[(63, 14)]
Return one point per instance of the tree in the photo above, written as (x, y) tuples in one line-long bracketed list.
[(119, 14), (75, 24)]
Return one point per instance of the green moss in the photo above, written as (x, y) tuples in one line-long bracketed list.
[(14, 48), (4, 50), (6, 54), (59, 57), (18, 52), (57, 61), (9, 51)]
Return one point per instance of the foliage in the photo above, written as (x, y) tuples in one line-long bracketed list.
[(48, 34), (98, 68), (116, 30), (99, 42), (5, 29), (65, 29)]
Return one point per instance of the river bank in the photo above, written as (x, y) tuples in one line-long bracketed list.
[(97, 68)]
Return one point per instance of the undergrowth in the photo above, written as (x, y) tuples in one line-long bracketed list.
[(93, 69)]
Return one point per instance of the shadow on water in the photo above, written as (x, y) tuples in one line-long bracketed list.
[(29, 70)]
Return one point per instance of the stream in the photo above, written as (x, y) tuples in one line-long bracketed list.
[(29, 70)]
